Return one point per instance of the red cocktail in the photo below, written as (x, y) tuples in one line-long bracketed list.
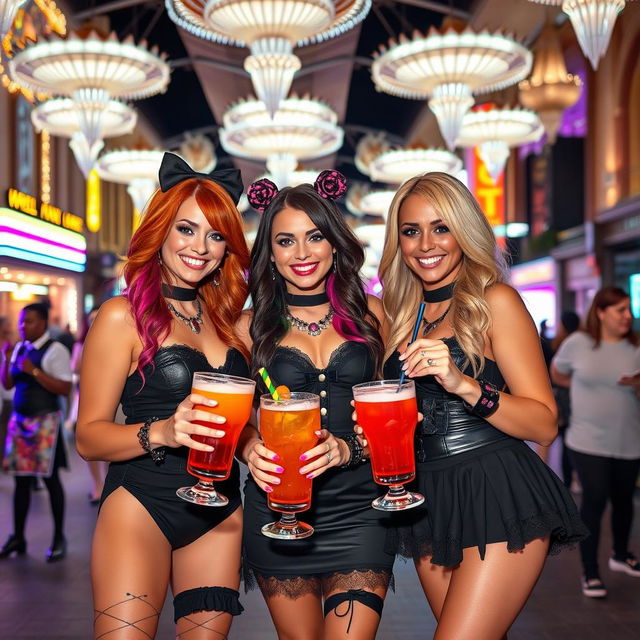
[(234, 396), (387, 413), (288, 428)]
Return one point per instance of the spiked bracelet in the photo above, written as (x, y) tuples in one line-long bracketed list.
[(357, 452), (157, 455), (488, 402)]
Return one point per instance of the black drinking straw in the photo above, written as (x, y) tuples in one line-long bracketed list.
[(416, 328)]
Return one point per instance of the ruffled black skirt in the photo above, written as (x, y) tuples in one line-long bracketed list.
[(501, 492)]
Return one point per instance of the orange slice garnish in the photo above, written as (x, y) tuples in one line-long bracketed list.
[(284, 392)]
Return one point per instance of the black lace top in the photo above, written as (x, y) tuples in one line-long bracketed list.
[(349, 364)]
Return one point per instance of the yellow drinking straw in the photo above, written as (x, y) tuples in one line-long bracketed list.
[(267, 380)]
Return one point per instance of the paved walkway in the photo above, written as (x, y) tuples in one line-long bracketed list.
[(39, 601)]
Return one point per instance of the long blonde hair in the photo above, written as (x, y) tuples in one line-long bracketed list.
[(483, 264)]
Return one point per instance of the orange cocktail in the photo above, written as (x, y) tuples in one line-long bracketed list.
[(387, 413), (288, 428), (234, 396)]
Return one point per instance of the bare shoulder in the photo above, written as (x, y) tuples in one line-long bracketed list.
[(502, 297), (375, 306), (243, 326), (115, 316)]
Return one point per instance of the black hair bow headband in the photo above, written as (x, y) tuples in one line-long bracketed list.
[(174, 170), (329, 184)]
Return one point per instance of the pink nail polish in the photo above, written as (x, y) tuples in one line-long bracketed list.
[(268, 489), (303, 457), (309, 476), (275, 457), (279, 469)]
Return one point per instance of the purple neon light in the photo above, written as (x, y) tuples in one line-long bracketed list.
[(24, 234)]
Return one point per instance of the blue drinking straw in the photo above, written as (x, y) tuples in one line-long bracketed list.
[(416, 328)]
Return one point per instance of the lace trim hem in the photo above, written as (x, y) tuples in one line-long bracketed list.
[(447, 552), (296, 586)]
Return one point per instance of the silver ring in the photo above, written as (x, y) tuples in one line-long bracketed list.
[(431, 362), (328, 458), (423, 354)]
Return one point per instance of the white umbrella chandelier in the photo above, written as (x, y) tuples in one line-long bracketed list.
[(302, 129), (593, 22), (8, 11), (60, 117), (495, 131), (137, 168), (397, 165), (448, 66), (91, 71), (363, 200), (271, 29)]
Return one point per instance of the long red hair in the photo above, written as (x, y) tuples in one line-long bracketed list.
[(143, 271)]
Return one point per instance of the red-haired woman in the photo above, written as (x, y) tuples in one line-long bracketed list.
[(602, 368), (185, 290)]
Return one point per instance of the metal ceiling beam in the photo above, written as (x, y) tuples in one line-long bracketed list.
[(107, 7), (438, 7)]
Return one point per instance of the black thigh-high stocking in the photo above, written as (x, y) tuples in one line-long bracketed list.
[(56, 498), (21, 502)]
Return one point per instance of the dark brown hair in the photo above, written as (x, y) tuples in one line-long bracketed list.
[(606, 297)]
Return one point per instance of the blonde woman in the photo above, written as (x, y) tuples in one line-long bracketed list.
[(493, 510)]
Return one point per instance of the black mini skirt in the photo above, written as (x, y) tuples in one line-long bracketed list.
[(500, 492)]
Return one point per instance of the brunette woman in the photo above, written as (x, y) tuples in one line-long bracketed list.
[(602, 368), (185, 290), (493, 509), (314, 330)]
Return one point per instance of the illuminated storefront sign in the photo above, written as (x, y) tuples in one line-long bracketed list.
[(534, 272), (21, 201), (488, 193), (29, 238)]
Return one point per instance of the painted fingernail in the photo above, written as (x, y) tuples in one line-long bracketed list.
[(268, 489), (303, 457), (309, 476), (275, 456), (279, 469)]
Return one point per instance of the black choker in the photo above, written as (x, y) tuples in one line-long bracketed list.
[(184, 294), (313, 300), (439, 295)]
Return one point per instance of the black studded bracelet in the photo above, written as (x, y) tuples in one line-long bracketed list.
[(356, 450), (157, 455), (488, 402)]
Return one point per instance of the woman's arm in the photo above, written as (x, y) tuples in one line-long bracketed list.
[(528, 411), (107, 358), (561, 379)]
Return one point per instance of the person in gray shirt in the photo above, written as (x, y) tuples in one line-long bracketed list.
[(602, 368)]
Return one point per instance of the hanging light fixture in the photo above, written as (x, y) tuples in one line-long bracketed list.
[(364, 200), (61, 117), (271, 29), (370, 146), (593, 22), (495, 131), (91, 71), (8, 11), (550, 89), (397, 165), (137, 168), (302, 129), (448, 66)]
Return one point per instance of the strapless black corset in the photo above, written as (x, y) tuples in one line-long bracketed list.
[(168, 383), (447, 428), (351, 363)]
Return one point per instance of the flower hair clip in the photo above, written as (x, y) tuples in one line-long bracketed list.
[(261, 193), (330, 184)]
